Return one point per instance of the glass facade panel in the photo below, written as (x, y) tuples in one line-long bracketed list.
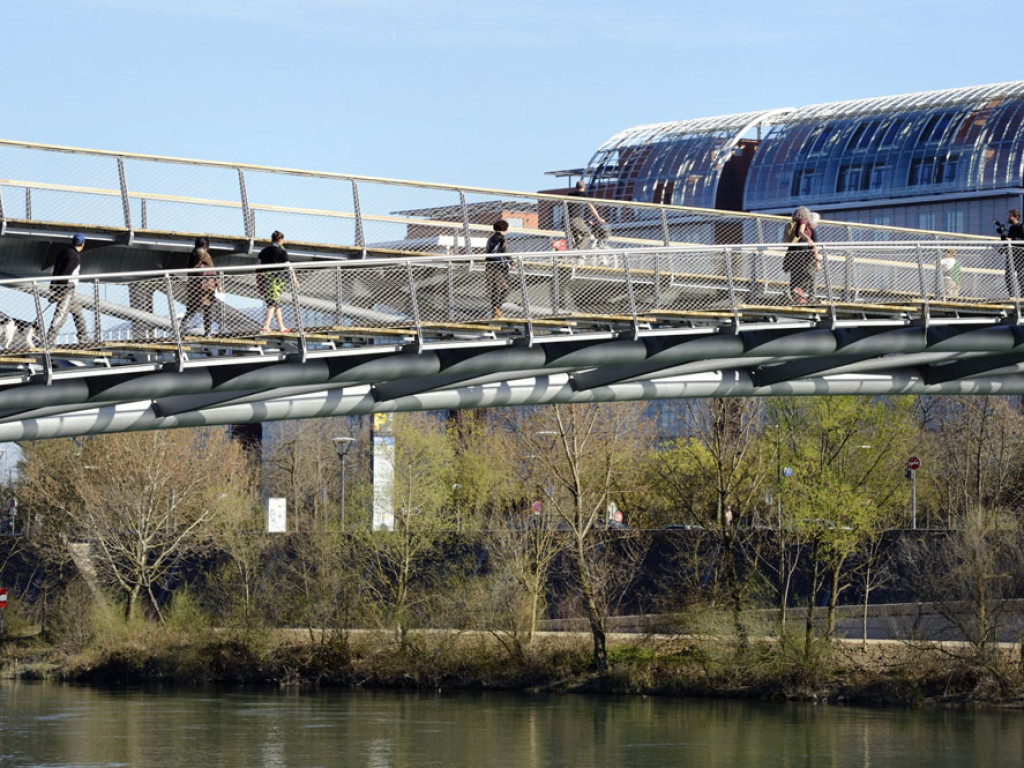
[(678, 163), (888, 158), (965, 140)]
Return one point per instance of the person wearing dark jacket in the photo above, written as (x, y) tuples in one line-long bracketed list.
[(62, 292), (272, 281), (1014, 252), (496, 268), (201, 286)]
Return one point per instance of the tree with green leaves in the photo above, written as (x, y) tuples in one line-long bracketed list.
[(847, 455), (713, 476), (400, 572)]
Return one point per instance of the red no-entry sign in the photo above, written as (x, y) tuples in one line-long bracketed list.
[(913, 462), (3, 598)]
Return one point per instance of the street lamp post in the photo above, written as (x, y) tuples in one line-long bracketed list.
[(342, 445)]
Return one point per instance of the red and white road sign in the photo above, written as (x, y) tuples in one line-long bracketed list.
[(913, 462), (3, 598)]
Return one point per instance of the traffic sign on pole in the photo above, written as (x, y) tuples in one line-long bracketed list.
[(3, 598), (913, 462)]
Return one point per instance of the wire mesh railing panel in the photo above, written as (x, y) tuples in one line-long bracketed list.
[(180, 197), (627, 226), (307, 208), (54, 186), (412, 218), (878, 274), (20, 326), (378, 296), (466, 295), (91, 188)]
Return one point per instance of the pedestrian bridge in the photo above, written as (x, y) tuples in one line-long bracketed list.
[(678, 302)]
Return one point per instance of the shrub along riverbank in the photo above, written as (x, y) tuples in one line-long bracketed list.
[(883, 673)]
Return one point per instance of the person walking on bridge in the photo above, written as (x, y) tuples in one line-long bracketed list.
[(62, 292), (582, 234), (1014, 252), (496, 267), (802, 259), (201, 286), (272, 281)]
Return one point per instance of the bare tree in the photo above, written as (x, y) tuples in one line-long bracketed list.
[(589, 455), (302, 466), (974, 457), (141, 500)]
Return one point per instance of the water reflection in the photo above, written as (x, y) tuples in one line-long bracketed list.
[(55, 725)]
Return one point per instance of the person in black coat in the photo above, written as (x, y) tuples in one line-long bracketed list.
[(496, 268), (1014, 252), (62, 291)]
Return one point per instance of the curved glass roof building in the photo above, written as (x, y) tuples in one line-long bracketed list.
[(678, 163), (947, 160)]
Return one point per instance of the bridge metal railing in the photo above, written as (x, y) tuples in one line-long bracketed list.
[(138, 196), (420, 299)]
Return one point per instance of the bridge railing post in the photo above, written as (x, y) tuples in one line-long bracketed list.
[(727, 254), (1013, 284), (298, 325), (339, 295), (97, 315), (630, 295), (521, 269), (248, 217), (172, 313), (570, 241), (656, 280), (126, 206), (829, 295), (43, 334), (758, 273), (925, 308), (414, 307), (358, 211), (467, 246), (556, 291)]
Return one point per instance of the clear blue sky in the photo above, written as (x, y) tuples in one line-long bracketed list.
[(482, 93)]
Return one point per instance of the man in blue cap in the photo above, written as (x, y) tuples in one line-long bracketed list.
[(67, 265)]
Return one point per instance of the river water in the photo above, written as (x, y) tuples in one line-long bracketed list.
[(60, 726)]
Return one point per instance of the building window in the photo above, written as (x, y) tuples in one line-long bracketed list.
[(926, 221), (823, 137), (922, 170), (954, 221), (936, 126), (949, 170), (802, 182), (849, 179), (875, 176), (863, 136), (894, 129)]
